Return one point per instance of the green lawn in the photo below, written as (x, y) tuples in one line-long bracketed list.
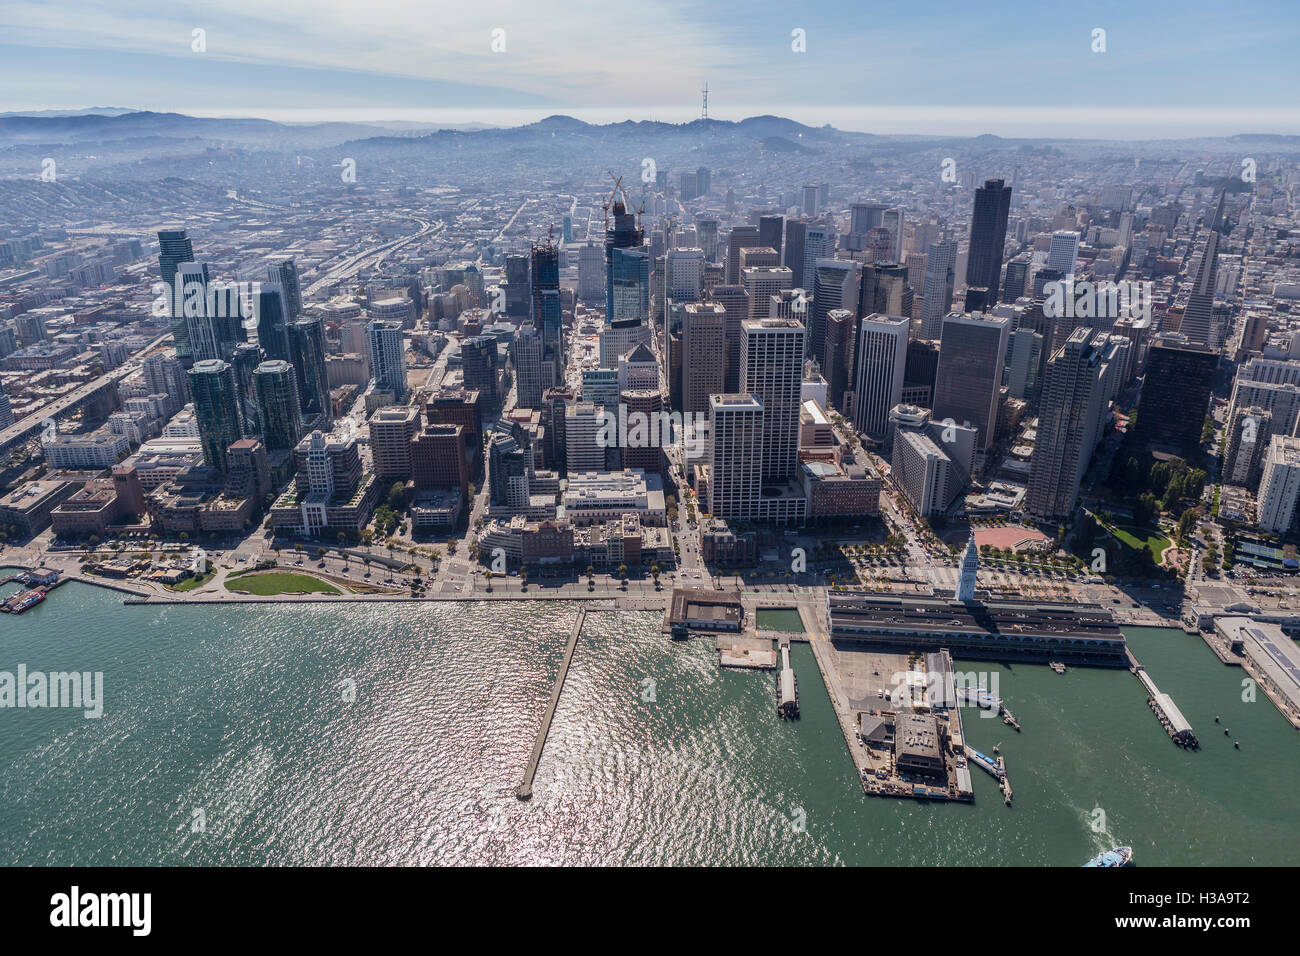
[(1138, 538), (191, 583), (270, 583)]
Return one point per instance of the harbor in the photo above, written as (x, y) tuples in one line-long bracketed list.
[(37, 584), (1163, 706)]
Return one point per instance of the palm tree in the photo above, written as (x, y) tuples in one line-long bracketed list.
[(591, 577), (488, 577), (622, 575), (523, 576), (654, 573)]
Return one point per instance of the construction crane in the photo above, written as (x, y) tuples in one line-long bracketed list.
[(627, 199)]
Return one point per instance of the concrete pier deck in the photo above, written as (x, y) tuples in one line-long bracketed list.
[(526, 788)]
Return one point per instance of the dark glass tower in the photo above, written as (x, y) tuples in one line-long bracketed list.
[(623, 234), (307, 348), (272, 322), (547, 312), (216, 407), (276, 387), (988, 233), (1176, 392), (285, 274), (245, 358), (174, 247)]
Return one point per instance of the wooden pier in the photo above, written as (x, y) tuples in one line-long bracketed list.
[(525, 789)]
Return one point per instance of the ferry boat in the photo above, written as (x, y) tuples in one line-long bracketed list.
[(1120, 856), (980, 697), (22, 602)]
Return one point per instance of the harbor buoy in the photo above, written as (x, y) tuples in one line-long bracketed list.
[(1236, 744), (1216, 718), (1227, 732)]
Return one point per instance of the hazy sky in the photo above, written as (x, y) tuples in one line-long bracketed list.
[(1014, 67)]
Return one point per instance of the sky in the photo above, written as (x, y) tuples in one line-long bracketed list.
[(1011, 67)]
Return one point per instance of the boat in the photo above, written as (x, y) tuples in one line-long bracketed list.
[(18, 603), (1120, 856)]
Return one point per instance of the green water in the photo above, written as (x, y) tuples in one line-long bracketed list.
[(779, 619), (655, 755)]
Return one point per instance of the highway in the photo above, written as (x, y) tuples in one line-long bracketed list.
[(352, 265)]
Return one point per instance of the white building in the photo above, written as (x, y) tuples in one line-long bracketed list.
[(882, 360), (1279, 487)]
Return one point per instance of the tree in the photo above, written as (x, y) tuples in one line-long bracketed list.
[(654, 573), (622, 574), (487, 575), (523, 576)]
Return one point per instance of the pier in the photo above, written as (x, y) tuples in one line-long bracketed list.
[(994, 767), (1163, 706), (526, 788)]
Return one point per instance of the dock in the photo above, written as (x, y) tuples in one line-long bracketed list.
[(526, 788), (787, 688), (1163, 706), (995, 767)]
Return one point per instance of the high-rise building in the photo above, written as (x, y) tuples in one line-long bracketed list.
[(548, 311), (835, 286), (387, 356), (583, 432), (1063, 252), (647, 404), (591, 273), (245, 358), (761, 283), (841, 337), (518, 287), (819, 242), (216, 409), (624, 233), (771, 230), (272, 322), (1199, 323), (971, 352), (392, 429), (741, 237), (307, 354), (809, 203), (1071, 416), (529, 364), (940, 273), (478, 360), (685, 274), (174, 248), (882, 362), (279, 411), (796, 231), (1023, 360), (735, 456), (772, 371), (627, 294), (6, 410), (284, 273), (1176, 392), (704, 349), (988, 235), (735, 300), (1279, 487)]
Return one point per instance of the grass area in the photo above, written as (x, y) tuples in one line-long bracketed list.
[(193, 583), (1138, 538), (279, 582)]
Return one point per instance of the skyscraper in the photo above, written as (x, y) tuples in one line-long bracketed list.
[(835, 286), (704, 348), (518, 287), (622, 234), (988, 234), (276, 388), (741, 237), (272, 322), (761, 283), (819, 241), (307, 351), (387, 356), (772, 371), (1198, 316), (547, 312), (174, 247), (792, 255), (735, 455), (770, 233), (940, 272), (882, 362), (216, 409), (971, 353), (1176, 392), (1070, 419), (1063, 252), (284, 273), (529, 363), (735, 300)]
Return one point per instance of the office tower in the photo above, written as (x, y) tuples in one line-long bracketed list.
[(174, 248), (628, 296), (566, 229), (885, 290), (392, 429), (988, 235), (1199, 324), (284, 273), (865, 216), (1017, 279), (1023, 361), (438, 458), (841, 336), (706, 231), (1279, 486), (1063, 252), (761, 283), (758, 256), (1176, 392), (792, 254), (637, 370), (741, 237), (809, 204), (275, 386), (704, 348), (882, 364), (191, 287), (6, 410), (216, 409), (518, 287), (1248, 431), (226, 312), (591, 273), (685, 274), (703, 180), (529, 359), (895, 221), (689, 188), (619, 337), (922, 472), (835, 286), (1071, 416), (547, 312), (583, 440), (307, 355), (878, 246), (735, 301), (819, 242), (387, 356), (971, 353), (272, 322), (478, 361), (735, 479), (623, 233), (772, 371), (940, 273), (643, 404), (771, 230), (601, 386), (1044, 279)]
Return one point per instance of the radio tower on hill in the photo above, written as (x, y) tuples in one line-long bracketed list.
[(704, 102)]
